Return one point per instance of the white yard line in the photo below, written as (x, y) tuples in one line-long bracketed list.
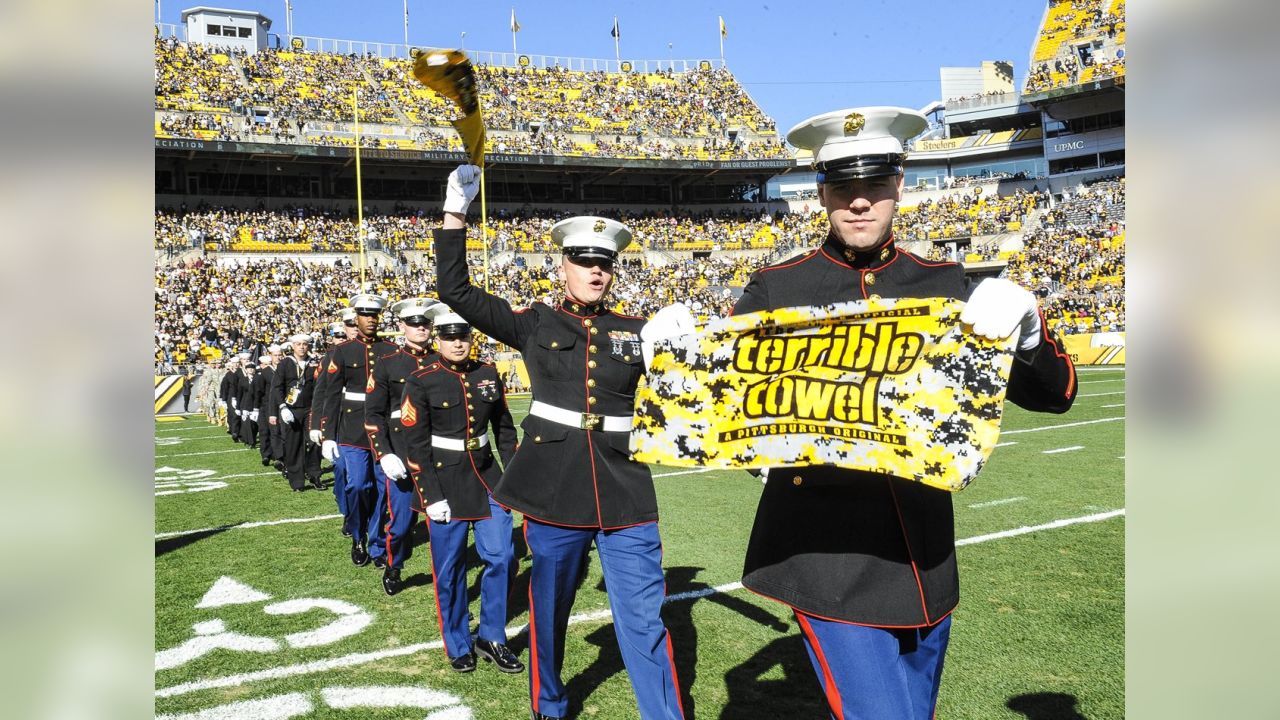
[(242, 526), (1061, 450), (354, 659), (188, 428), (207, 452), (1002, 501), (1116, 405), (690, 472), (1092, 382), (1011, 442), (1064, 425), (1117, 392), (1100, 369)]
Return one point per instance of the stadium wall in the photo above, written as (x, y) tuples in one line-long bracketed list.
[(1096, 348)]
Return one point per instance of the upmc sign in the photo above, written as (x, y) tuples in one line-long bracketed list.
[(1084, 143)]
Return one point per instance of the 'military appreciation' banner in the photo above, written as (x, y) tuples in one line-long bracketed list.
[(885, 386)]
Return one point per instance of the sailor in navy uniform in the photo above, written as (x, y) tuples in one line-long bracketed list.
[(393, 514), (339, 332), (573, 477), (448, 409), (292, 395), (229, 392), (867, 561), (350, 369)]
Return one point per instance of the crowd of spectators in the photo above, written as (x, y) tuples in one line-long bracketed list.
[(1060, 60), (965, 214), (661, 115)]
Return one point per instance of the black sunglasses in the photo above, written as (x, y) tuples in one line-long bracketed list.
[(416, 321)]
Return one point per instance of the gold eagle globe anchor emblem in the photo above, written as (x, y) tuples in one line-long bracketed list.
[(599, 226), (853, 123)]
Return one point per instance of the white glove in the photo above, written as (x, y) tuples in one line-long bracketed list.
[(329, 449), (253, 415), (235, 404), (286, 415), (315, 437), (439, 511), (764, 476), (998, 307), (392, 467), (671, 321), (464, 183)]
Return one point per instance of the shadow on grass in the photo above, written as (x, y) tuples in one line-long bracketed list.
[(756, 692), (1045, 706), (168, 545)]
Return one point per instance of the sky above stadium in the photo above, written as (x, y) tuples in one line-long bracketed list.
[(795, 59)]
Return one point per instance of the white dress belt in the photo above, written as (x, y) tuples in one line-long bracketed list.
[(445, 443), (582, 421), (358, 397)]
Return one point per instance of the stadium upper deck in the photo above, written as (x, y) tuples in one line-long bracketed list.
[(1080, 41), (301, 97)]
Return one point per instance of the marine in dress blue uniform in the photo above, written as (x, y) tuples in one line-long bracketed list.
[(572, 476), (393, 515), (867, 561), (344, 440), (339, 332), (448, 409)]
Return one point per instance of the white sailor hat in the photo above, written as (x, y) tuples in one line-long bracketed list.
[(367, 303), (299, 337), (590, 236), (264, 359), (414, 307), (273, 348), (347, 315), (243, 356), (447, 322), (858, 142), (337, 329)]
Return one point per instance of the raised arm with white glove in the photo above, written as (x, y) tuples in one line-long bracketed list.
[(393, 467), (439, 511), (329, 449), (671, 321), (464, 183), (998, 307)]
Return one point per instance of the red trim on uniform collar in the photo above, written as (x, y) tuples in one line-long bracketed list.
[(873, 259), (579, 310)]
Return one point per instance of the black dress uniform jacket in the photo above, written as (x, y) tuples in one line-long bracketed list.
[(861, 547), (350, 369), (262, 394), (581, 359), (291, 374), (386, 434), (459, 402)]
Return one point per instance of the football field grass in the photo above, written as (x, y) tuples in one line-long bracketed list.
[(260, 614)]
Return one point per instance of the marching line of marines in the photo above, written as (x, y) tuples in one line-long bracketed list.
[(865, 562)]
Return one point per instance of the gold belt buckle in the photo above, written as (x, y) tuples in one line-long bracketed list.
[(591, 421), (473, 443)]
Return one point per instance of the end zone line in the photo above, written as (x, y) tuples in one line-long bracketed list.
[(354, 659)]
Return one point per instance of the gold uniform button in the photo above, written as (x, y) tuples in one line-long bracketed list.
[(591, 363), (348, 409), (444, 404), (591, 382), (873, 296), (591, 400), (626, 358), (587, 322), (595, 331), (537, 438), (797, 480), (466, 384), (593, 349), (471, 407), (555, 343), (471, 418), (439, 464), (870, 278), (468, 395)]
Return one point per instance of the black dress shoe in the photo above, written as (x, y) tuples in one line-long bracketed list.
[(391, 580), (380, 562), (277, 465), (359, 555), (463, 663), (499, 655), (315, 483), (266, 462), (346, 531)]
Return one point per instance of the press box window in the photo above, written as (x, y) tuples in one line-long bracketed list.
[(213, 29)]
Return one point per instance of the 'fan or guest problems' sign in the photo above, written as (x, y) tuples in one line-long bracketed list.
[(885, 386)]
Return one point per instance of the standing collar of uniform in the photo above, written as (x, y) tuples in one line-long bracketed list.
[(580, 310), (457, 368), (874, 258), (409, 350), (366, 340)]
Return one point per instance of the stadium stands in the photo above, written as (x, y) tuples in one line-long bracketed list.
[(306, 97), (1080, 41)]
